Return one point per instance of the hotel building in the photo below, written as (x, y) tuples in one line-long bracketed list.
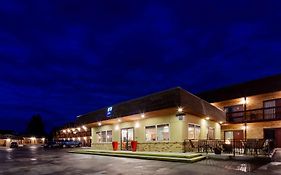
[(169, 121), (253, 109), (158, 122)]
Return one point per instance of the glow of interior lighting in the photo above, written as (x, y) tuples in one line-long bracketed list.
[(245, 127), (137, 125), (43, 139), (99, 123), (117, 127), (119, 120), (142, 115), (220, 122), (68, 138), (180, 109), (68, 130), (78, 128), (64, 131), (79, 138), (73, 129), (8, 139), (227, 142), (32, 138), (85, 138), (73, 138), (207, 118)]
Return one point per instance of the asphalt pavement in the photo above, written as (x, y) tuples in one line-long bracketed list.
[(36, 160)]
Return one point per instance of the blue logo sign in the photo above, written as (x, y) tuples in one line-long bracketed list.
[(109, 111)]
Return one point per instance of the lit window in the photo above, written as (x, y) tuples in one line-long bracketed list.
[(193, 131), (103, 136), (211, 133), (150, 133), (163, 132), (98, 134), (109, 136)]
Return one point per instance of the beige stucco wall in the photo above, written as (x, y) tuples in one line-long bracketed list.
[(178, 132)]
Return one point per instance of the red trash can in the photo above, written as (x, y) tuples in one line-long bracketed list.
[(134, 145), (115, 145)]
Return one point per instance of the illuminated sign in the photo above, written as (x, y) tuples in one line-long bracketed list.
[(109, 112)]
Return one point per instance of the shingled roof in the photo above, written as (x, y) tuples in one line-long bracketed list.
[(254, 87)]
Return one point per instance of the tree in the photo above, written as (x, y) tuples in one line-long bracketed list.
[(35, 126)]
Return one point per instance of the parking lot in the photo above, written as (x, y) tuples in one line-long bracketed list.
[(37, 160)]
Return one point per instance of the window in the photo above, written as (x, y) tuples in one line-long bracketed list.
[(273, 109), (157, 133), (211, 133), (150, 133), (234, 113), (98, 134), (163, 132), (109, 136), (193, 131), (234, 135), (104, 136)]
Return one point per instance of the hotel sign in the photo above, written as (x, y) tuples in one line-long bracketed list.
[(109, 112)]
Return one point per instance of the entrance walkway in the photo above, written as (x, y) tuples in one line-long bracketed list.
[(163, 156)]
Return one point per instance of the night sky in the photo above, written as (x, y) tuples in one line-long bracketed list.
[(64, 58)]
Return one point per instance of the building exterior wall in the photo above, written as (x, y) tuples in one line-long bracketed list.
[(178, 132), (254, 130), (253, 102)]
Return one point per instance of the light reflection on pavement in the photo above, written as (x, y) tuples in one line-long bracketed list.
[(36, 160)]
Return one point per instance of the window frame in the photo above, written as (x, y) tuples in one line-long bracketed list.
[(156, 127), (194, 125), (106, 139)]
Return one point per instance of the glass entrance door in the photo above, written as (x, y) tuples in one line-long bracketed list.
[(127, 135)]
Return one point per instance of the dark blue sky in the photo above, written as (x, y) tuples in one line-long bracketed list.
[(64, 58)]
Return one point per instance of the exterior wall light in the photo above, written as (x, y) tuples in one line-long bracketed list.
[(220, 122), (79, 129), (244, 100), (8, 139), (207, 118), (85, 138), (79, 138), (142, 115), (119, 120), (180, 114), (84, 127), (180, 109), (64, 131), (99, 123), (68, 130)]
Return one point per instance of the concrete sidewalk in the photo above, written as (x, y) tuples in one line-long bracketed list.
[(164, 156), (274, 167)]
